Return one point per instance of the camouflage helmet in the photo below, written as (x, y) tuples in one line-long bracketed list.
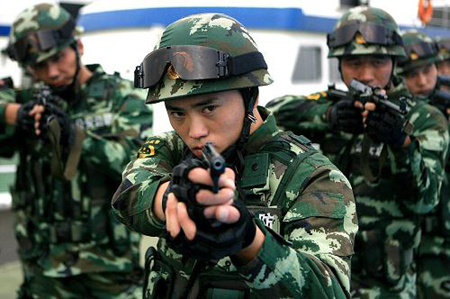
[(199, 54), (40, 32), (443, 45), (420, 50), (365, 31)]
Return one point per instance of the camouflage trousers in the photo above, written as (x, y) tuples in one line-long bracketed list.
[(433, 279), (113, 285)]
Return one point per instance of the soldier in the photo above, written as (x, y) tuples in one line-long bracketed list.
[(74, 135), (283, 221), (421, 77), (418, 68), (443, 64), (394, 161)]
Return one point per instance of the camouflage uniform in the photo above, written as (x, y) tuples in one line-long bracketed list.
[(70, 244), (407, 187), (302, 203), (433, 276)]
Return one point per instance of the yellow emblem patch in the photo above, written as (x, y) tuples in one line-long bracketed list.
[(148, 149), (314, 96), (413, 56), (359, 39), (172, 73)]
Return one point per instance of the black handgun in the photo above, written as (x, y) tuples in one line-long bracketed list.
[(441, 100), (44, 96), (216, 164), (443, 80), (365, 94)]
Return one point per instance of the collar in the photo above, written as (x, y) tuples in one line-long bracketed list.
[(264, 133), (96, 70), (399, 88)]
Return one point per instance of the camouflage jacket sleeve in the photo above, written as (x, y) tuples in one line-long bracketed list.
[(6, 131), (131, 122), (312, 260), (423, 161), (303, 115), (133, 201)]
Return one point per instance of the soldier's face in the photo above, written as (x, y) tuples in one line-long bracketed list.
[(443, 68), (372, 70), (59, 70), (216, 117), (422, 80)]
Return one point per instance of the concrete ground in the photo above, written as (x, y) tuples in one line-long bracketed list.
[(10, 271)]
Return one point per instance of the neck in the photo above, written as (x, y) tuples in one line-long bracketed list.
[(84, 75)]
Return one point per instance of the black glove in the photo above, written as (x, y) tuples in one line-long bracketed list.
[(344, 116), (385, 126), (24, 121), (213, 240), (442, 106), (51, 112)]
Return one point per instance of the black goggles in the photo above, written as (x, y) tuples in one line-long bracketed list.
[(422, 49), (372, 34), (195, 63), (40, 41), (443, 45)]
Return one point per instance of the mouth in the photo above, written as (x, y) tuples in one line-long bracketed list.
[(59, 83), (197, 150)]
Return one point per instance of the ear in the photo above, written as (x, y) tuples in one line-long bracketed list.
[(80, 47)]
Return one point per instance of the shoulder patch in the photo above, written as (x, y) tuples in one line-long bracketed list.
[(316, 96), (301, 141), (149, 148)]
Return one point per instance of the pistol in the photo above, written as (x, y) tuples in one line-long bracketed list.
[(365, 93), (443, 80), (216, 164)]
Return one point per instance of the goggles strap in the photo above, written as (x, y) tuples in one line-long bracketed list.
[(247, 63)]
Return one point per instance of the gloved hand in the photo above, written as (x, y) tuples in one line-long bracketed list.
[(385, 126), (344, 116), (443, 106), (25, 121), (51, 112), (213, 239)]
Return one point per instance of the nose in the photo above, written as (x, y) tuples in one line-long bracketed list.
[(421, 79), (197, 128), (52, 70), (366, 74)]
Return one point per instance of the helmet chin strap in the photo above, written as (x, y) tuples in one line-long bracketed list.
[(68, 92), (234, 154)]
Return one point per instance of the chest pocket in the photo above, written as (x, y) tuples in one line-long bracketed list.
[(256, 171), (256, 186)]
